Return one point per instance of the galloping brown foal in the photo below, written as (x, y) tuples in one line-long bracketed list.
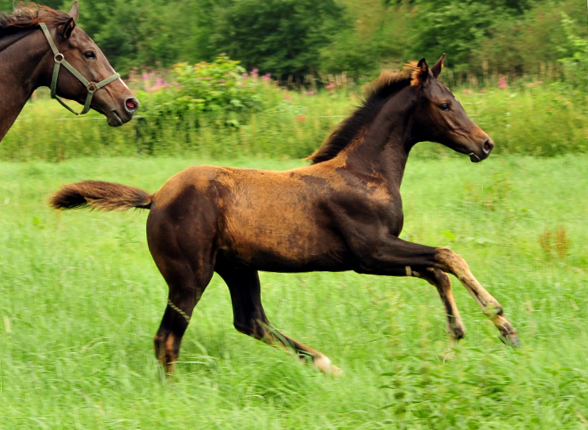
[(27, 61), (343, 212)]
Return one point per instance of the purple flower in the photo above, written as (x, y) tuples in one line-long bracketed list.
[(254, 71), (244, 74)]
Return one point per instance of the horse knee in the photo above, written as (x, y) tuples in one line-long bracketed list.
[(449, 261)]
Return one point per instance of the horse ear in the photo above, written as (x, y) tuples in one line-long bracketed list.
[(436, 69), (74, 12), (68, 28), (420, 74)]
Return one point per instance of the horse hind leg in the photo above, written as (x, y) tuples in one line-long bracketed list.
[(185, 290), (187, 272), (250, 318)]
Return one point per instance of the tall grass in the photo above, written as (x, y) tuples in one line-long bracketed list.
[(527, 117), (81, 300)]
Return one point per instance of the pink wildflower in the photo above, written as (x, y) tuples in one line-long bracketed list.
[(310, 93), (254, 71), (244, 74), (468, 92), (300, 118), (329, 86), (502, 83), (159, 81)]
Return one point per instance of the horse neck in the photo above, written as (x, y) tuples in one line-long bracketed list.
[(23, 68), (383, 150)]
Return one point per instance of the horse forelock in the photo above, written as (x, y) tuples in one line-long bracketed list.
[(375, 95), (30, 16)]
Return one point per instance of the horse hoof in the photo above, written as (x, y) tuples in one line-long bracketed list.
[(511, 340), (325, 365)]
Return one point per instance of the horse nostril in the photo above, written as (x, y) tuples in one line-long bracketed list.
[(131, 104), (488, 146)]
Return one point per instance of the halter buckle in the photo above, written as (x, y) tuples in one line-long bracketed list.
[(59, 57), (92, 87)]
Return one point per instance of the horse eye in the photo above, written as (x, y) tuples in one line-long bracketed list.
[(89, 54), (444, 106)]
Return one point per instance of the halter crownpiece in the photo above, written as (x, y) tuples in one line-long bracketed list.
[(59, 59)]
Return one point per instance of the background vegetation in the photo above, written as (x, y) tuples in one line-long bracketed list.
[(294, 38)]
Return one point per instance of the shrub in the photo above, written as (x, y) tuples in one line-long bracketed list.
[(205, 87)]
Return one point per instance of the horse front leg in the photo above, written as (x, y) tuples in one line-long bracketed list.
[(449, 261), (395, 257)]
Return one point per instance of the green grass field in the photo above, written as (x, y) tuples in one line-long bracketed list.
[(80, 301)]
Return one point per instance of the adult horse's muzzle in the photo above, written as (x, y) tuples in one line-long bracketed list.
[(118, 117)]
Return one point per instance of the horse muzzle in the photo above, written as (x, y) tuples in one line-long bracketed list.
[(483, 152), (118, 117)]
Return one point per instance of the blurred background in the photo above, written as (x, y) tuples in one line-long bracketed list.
[(274, 76)]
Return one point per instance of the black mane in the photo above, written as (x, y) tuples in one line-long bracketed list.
[(378, 92)]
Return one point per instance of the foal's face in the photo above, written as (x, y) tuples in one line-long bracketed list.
[(115, 100), (441, 118)]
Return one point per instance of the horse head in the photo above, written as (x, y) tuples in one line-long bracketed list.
[(441, 118), (95, 85)]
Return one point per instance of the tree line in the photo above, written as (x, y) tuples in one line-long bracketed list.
[(295, 38)]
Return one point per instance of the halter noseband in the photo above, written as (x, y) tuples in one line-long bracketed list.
[(59, 58)]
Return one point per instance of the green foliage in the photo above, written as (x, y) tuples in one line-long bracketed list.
[(456, 28), (204, 87), (135, 33), (531, 42), (278, 36), (526, 117), (295, 38), (576, 65)]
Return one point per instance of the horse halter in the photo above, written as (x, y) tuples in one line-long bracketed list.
[(59, 58)]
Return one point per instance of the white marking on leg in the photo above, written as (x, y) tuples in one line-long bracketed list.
[(323, 363)]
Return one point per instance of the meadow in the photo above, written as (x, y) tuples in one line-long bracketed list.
[(81, 300)]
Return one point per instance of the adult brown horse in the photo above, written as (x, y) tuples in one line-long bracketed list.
[(35, 41), (343, 212)]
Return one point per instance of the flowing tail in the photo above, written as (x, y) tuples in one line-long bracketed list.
[(100, 195)]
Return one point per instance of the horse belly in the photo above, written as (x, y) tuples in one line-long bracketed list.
[(282, 241)]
